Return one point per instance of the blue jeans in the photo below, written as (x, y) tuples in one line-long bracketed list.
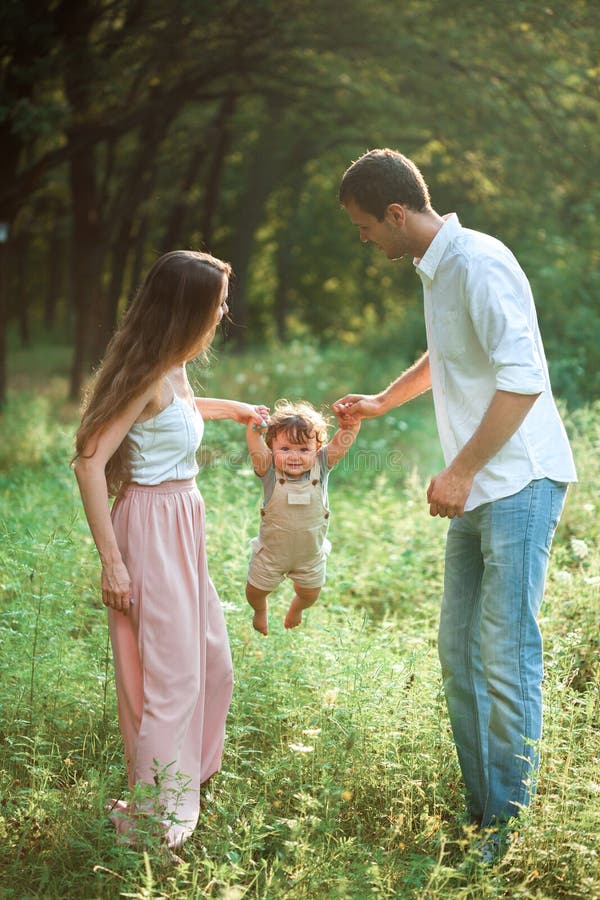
[(490, 645)]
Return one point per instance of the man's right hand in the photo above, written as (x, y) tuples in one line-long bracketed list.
[(364, 406)]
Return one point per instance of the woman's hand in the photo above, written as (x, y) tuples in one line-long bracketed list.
[(252, 415), (116, 587), (218, 408)]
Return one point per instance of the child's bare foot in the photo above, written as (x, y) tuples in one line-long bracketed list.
[(260, 622), (294, 613)]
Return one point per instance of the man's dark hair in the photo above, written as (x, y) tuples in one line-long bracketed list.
[(381, 177)]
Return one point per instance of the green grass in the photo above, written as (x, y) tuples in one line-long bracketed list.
[(339, 777)]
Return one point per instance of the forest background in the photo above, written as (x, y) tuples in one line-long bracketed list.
[(130, 127)]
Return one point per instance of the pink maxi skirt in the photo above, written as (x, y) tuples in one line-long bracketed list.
[(173, 667)]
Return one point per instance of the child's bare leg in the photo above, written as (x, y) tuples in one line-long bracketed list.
[(302, 599), (258, 601)]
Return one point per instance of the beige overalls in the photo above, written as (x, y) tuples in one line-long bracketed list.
[(292, 539)]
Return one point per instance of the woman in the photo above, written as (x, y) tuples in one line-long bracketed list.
[(137, 440)]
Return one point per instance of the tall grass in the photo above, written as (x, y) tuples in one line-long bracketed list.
[(339, 777)]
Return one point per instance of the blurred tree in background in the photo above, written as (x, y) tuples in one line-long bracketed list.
[(129, 127)]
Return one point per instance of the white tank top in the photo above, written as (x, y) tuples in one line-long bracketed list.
[(164, 447)]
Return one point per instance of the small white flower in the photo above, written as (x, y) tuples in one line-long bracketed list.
[(233, 892), (579, 548), (301, 748), (563, 575), (330, 697)]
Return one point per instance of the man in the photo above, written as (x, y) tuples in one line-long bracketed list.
[(508, 462)]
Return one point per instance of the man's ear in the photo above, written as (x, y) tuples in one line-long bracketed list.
[(396, 214)]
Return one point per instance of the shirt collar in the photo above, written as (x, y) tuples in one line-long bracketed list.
[(429, 262)]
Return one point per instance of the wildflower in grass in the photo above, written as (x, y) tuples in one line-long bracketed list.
[(234, 892), (579, 548), (563, 575), (301, 748), (330, 697)]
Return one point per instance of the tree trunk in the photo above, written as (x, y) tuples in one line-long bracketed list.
[(31, 47), (260, 179), (19, 288), (3, 321), (137, 266), (179, 211), (219, 136), (88, 248), (88, 239), (214, 177), (53, 280), (284, 256), (138, 185)]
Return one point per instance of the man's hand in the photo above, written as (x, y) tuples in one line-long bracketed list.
[(447, 493), (358, 406), (346, 417)]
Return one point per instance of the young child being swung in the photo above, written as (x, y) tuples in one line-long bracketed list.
[(292, 458)]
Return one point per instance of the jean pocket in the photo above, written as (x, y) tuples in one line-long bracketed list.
[(557, 501)]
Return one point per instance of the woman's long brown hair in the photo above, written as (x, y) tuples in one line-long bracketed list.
[(172, 319)]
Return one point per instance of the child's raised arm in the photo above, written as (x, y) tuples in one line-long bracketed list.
[(340, 443), (260, 453)]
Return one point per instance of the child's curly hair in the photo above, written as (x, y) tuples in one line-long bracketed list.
[(300, 421)]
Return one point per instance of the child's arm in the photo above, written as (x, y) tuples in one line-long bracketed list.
[(246, 413), (340, 443), (260, 453)]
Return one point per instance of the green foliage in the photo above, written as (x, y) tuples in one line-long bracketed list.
[(339, 777), (29, 436), (240, 148)]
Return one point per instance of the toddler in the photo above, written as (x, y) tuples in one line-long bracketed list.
[(292, 458)]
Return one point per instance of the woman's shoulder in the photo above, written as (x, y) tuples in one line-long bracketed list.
[(155, 398)]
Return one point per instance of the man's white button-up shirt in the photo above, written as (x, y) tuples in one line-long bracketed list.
[(483, 336)]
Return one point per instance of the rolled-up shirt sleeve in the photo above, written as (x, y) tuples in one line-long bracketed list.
[(500, 308)]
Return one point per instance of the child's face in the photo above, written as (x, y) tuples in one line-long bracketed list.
[(291, 457)]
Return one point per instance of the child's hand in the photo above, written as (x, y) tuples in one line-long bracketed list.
[(261, 427), (344, 417)]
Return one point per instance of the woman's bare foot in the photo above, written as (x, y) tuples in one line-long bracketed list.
[(260, 622), (294, 613), (119, 814), (117, 811)]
